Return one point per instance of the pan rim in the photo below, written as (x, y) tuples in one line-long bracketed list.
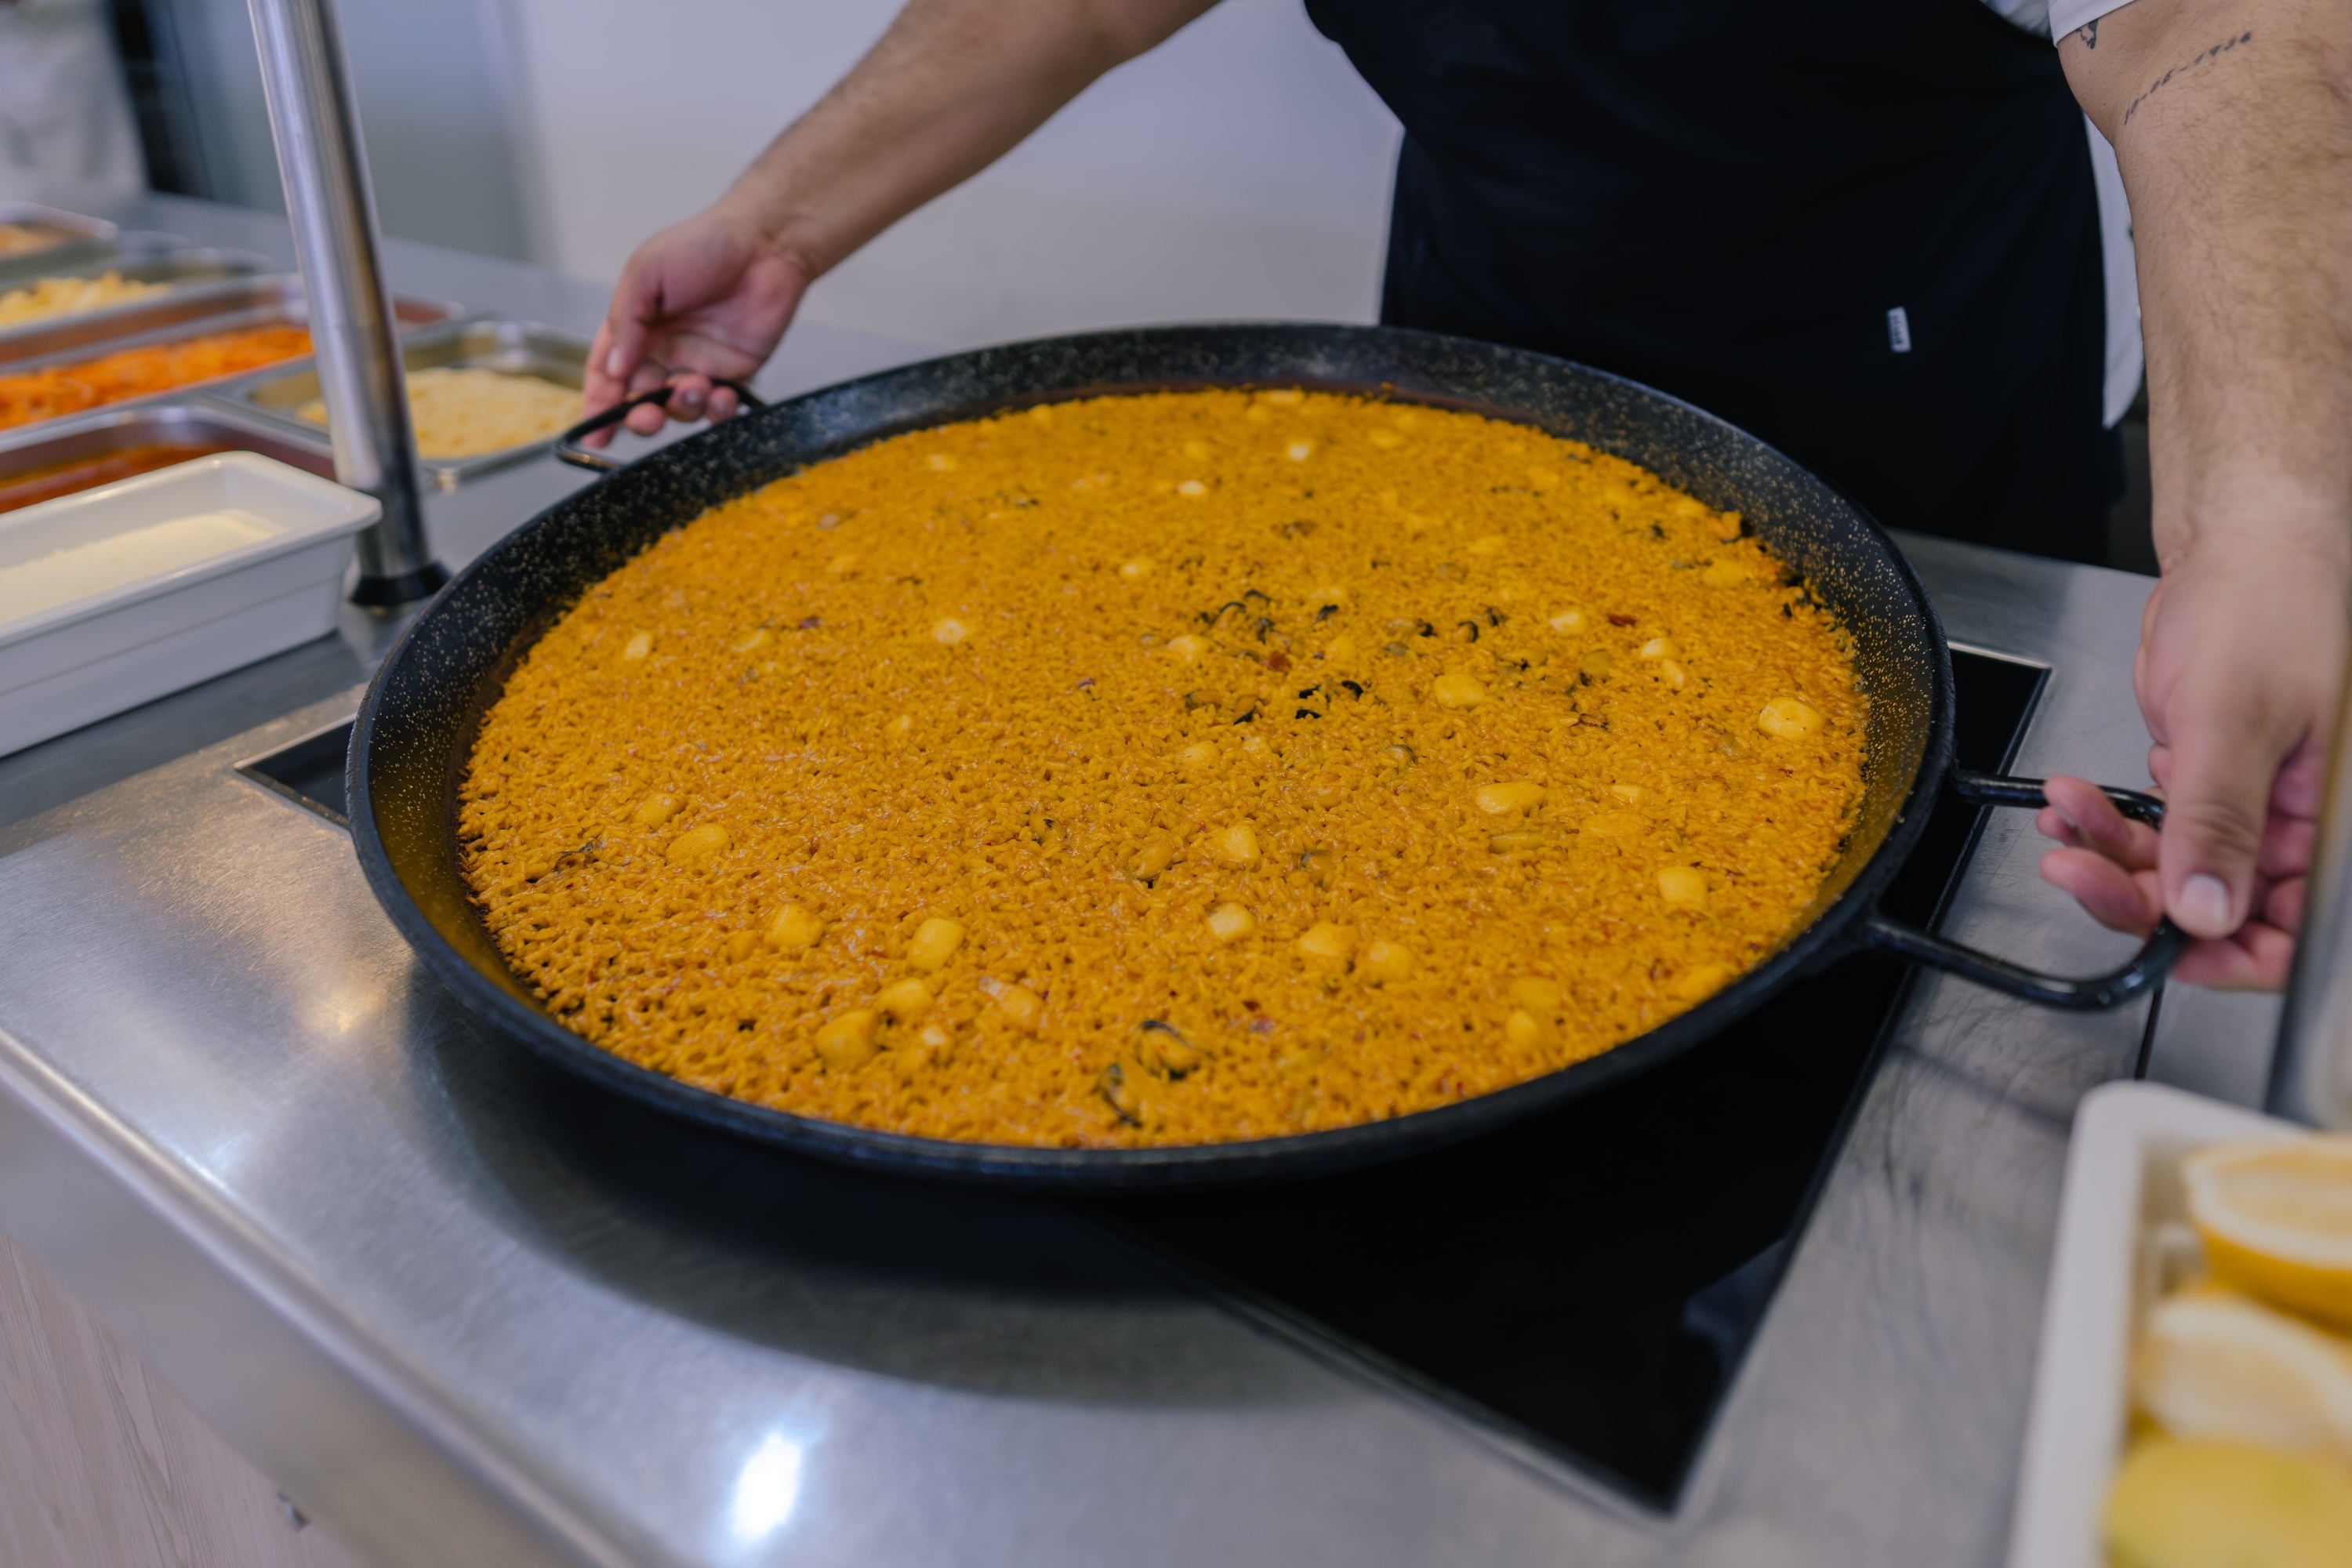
[(1828, 936)]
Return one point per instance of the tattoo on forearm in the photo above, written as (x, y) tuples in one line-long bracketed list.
[(2089, 33), (2216, 52)]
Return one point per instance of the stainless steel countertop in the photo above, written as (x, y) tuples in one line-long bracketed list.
[(467, 1313)]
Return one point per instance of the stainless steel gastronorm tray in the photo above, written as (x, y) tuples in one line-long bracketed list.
[(251, 302), (82, 437), (236, 304), (521, 348), (190, 273), (83, 238)]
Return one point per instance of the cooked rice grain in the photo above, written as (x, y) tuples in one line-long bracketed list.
[(466, 411)]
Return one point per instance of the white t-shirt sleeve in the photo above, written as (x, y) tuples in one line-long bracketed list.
[(2055, 19), (2125, 353), (2065, 15)]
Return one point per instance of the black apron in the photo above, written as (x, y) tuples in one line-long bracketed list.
[(1731, 200)]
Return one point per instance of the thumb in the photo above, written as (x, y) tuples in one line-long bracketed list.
[(2224, 761)]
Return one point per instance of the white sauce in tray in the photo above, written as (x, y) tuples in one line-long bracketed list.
[(79, 570)]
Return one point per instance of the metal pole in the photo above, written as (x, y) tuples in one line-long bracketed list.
[(332, 206), (2311, 1073)]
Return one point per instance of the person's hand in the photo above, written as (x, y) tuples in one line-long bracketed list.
[(703, 298), (950, 86), (2241, 649)]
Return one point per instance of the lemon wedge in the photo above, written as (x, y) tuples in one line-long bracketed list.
[(2276, 1217), (2212, 1363), (2224, 1505)]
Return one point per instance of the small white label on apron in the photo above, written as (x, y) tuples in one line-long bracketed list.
[(1898, 329)]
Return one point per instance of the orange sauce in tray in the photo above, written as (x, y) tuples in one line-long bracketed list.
[(46, 394)]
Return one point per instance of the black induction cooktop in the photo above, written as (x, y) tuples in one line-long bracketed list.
[(1585, 1284)]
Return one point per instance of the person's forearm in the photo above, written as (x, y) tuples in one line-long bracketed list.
[(2233, 121), (951, 85)]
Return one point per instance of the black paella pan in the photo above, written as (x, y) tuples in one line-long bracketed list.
[(418, 721)]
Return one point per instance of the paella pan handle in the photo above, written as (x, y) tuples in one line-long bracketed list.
[(2146, 969), (568, 446)]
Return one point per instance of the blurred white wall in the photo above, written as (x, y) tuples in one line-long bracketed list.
[(434, 80), (1240, 169)]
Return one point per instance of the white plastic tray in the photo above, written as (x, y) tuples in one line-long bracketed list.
[(139, 633), (2123, 1179)]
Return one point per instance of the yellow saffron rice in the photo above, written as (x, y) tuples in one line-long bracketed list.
[(464, 411), (1168, 769)]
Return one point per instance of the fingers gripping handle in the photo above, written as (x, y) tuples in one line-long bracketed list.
[(568, 446), (2146, 969)]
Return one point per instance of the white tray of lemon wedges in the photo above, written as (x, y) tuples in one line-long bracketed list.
[(2192, 1408)]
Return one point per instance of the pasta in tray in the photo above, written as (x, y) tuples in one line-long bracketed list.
[(1166, 769), (47, 297)]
